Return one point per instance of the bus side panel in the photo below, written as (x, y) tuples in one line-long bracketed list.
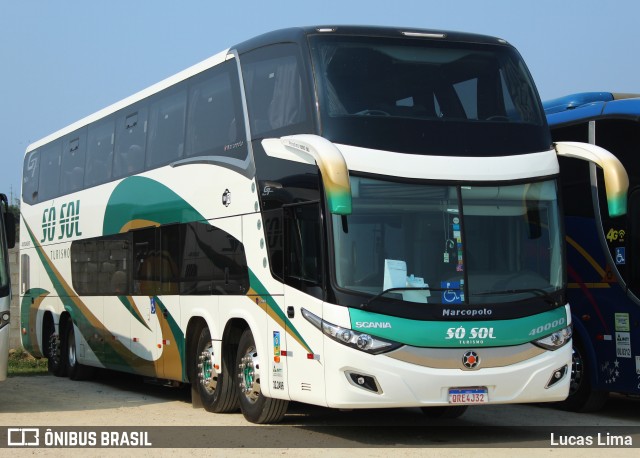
[(306, 365)]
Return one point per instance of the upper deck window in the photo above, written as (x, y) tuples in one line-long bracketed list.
[(277, 98), (427, 97)]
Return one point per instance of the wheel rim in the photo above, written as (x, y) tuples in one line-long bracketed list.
[(249, 375), (72, 347), (54, 349), (206, 370), (577, 371)]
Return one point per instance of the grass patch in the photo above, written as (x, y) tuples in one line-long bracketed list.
[(22, 363)]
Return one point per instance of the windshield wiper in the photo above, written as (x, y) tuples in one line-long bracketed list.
[(407, 288), (537, 291)]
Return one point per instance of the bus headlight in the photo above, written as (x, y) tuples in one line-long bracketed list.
[(555, 340), (349, 337)]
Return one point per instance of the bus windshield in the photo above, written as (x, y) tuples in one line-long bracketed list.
[(427, 97), (450, 244)]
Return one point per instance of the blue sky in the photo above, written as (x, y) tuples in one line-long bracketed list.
[(64, 59)]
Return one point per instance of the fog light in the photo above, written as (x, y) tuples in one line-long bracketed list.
[(366, 382), (557, 375)]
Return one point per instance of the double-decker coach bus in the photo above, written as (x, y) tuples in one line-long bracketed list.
[(350, 217), (602, 251), (7, 240)]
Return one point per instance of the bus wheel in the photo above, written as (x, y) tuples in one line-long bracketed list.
[(444, 411), (255, 407), (77, 371), (54, 354), (216, 389), (582, 398)]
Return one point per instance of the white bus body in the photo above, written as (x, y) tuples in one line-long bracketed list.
[(347, 217)]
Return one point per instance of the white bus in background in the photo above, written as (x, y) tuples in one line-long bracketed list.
[(7, 240), (352, 217)]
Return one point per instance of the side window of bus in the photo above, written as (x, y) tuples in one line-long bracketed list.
[(276, 94), (131, 139), (166, 128), (74, 149), (30, 176), (303, 266), (214, 261), (50, 171), (100, 266), (273, 228), (100, 143), (197, 269), (146, 260), (215, 125), (169, 258)]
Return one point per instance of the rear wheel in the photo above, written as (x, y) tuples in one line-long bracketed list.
[(77, 371), (444, 411), (53, 351), (217, 391), (255, 407)]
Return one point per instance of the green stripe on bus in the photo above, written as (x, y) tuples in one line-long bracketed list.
[(455, 334)]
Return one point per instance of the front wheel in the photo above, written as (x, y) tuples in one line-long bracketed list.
[(255, 407), (582, 397)]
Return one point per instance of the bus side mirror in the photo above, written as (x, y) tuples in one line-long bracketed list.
[(10, 226), (616, 180), (312, 149)]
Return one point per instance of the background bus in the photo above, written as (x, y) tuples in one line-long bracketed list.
[(292, 219), (602, 252), (7, 240)]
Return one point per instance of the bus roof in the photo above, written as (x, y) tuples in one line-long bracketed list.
[(591, 105), (296, 34)]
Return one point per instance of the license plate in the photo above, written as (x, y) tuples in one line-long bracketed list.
[(475, 395)]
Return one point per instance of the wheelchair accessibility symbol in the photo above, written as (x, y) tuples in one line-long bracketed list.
[(452, 297), (620, 255)]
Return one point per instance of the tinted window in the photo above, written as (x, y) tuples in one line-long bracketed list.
[(30, 175), (198, 267), (146, 262), (131, 136), (216, 120), (74, 149), (166, 129), (100, 145), (49, 171), (427, 96), (192, 258), (100, 266), (276, 94), (303, 251)]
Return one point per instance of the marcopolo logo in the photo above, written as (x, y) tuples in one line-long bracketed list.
[(66, 226)]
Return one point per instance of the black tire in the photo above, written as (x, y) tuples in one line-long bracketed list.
[(256, 407), (217, 391), (76, 371), (53, 351), (444, 412), (582, 397)]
